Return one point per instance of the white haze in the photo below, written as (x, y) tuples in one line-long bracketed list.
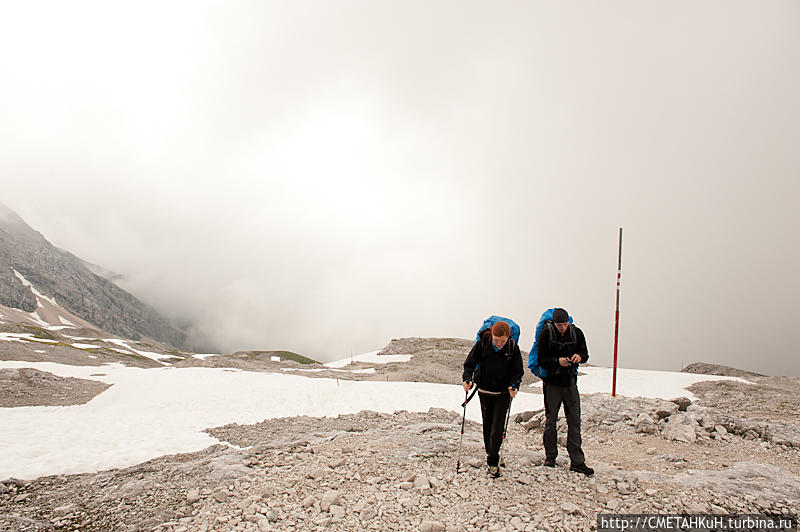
[(325, 176)]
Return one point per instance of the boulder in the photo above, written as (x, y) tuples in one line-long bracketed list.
[(193, 495), (522, 417), (680, 427), (431, 526), (331, 497), (421, 482), (682, 402), (535, 422), (645, 424), (61, 511)]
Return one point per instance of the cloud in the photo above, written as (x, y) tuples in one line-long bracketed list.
[(324, 177)]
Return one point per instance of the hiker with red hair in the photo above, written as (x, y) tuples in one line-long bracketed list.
[(498, 362)]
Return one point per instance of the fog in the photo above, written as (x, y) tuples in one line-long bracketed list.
[(323, 177)]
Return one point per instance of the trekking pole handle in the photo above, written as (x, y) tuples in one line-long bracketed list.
[(468, 397)]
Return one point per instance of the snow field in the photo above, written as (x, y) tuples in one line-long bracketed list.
[(641, 382), (152, 412)]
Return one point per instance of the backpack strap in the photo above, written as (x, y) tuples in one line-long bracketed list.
[(551, 332), (572, 337)]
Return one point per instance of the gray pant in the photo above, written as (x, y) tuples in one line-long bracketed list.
[(554, 395)]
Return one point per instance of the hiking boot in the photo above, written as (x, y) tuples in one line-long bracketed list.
[(582, 468), (494, 471), (549, 462)]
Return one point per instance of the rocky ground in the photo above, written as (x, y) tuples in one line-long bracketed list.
[(76, 347), (771, 398), (721, 454), (30, 387), (397, 472), (432, 360), (704, 368)]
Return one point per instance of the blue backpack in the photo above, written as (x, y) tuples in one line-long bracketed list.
[(533, 356), (488, 322)]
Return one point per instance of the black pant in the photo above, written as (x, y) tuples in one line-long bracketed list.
[(554, 395), (493, 409)]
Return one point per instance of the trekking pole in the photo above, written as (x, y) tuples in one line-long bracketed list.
[(508, 416), (505, 430), (463, 419)]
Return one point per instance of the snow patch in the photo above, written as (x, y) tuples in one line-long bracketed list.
[(23, 338), (203, 356), (38, 294), (641, 382), (158, 357), (275, 359), (38, 319), (173, 406)]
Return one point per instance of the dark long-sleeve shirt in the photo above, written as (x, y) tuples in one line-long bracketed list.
[(498, 369), (564, 345)]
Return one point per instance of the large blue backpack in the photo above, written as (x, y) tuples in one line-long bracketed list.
[(533, 356), (487, 324), (491, 320)]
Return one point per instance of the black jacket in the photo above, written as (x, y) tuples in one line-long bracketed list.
[(498, 370), (553, 345)]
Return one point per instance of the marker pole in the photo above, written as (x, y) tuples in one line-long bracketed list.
[(616, 318)]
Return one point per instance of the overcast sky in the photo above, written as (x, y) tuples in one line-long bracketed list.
[(326, 176)]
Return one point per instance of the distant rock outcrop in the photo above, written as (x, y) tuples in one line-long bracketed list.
[(65, 278), (31, 387), (702, 368)]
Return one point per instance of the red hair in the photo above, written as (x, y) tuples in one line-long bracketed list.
[(501, 328)]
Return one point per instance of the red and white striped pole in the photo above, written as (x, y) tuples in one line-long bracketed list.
[(616, 318)]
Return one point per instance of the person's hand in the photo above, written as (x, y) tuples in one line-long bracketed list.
[(564, 361), (467, 386), (512, 392), (576, 358)]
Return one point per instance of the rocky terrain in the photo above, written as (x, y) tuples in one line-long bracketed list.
[(768, 398), (397, 472), (80, 347), (432, 360), (719, 453), (704, 368), (30, 387)]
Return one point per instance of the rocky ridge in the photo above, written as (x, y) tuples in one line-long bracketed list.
[(704, 368)]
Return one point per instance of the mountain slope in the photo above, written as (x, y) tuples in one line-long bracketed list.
[(26, 257)]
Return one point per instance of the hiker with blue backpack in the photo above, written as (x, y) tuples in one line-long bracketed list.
[(494, 365), (560, 346)]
